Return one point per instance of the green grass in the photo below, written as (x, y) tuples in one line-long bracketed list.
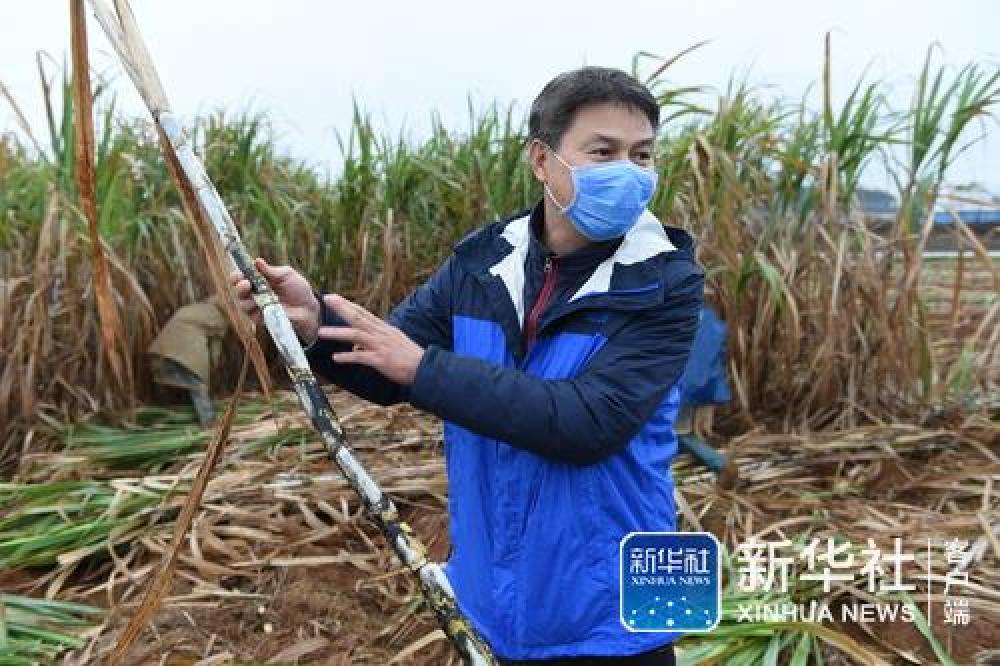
[(158, 437), (40, 523), (35, 631)]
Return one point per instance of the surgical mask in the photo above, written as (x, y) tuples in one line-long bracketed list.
[(608, 197)]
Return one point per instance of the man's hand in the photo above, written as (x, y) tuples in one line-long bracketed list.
[(293, 292), (377, 343)]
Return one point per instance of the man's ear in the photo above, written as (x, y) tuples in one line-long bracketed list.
[(536, 159)]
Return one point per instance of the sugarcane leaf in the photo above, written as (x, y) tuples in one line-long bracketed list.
[(802, 649), (920, 622)]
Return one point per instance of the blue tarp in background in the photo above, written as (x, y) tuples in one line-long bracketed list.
[(705, 380)]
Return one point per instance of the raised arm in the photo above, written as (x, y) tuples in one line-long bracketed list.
[(580, 420), (424, 317)]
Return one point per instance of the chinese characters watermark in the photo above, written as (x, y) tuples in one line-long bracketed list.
[(832, 563)]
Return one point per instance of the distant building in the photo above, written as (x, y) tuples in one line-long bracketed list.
[(974, 217), (880, 208), (876, 201)]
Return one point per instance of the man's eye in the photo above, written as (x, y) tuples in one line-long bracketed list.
[(644, 156), (603, 152)]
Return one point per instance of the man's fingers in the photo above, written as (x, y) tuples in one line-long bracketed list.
[(352, 313), (347, 334), (363, 357), (243, 289), (273, 273), (243, 292), (347, 310), (248, 305)]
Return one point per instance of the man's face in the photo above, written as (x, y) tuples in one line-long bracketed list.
[(598, 133)]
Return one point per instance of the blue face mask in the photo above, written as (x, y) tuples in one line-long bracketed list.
[(608, 197)]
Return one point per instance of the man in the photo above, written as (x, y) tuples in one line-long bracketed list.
[(550, 343)]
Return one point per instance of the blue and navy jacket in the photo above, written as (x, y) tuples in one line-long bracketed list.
[(558, 441)]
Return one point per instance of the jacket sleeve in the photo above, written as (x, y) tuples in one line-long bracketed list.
[(579, 420), (424, 316)]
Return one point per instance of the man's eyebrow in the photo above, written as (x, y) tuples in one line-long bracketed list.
[(597, 136)]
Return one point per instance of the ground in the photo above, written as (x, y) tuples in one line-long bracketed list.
[(298, 575)]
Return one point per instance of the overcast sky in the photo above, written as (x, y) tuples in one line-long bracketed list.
[(301, 61)]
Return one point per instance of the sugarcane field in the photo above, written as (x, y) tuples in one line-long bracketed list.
[(662, 335)]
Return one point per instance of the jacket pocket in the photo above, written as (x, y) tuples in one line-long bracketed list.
[(559, 585)]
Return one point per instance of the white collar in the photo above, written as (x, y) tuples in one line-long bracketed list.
[(645, 239)]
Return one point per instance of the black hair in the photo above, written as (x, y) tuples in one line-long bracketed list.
[(553, 110)]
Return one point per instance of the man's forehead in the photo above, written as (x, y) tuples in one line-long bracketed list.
[(611, 123)]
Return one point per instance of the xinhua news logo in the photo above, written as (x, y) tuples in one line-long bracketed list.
[(670, 581)]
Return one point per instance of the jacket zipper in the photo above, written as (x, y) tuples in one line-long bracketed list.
[(538, 326), (544, 296)]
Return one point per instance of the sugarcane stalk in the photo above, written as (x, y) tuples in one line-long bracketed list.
[(112, 330), (122, 33)]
